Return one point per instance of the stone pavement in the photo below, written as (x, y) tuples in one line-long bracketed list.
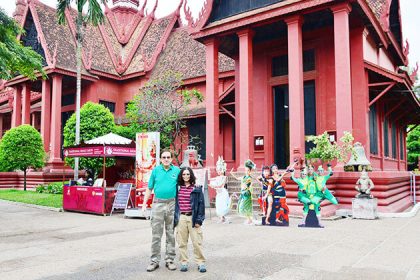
[(41, 244)]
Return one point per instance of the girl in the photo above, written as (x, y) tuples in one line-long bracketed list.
[(222, 196), (245, 197), (189, 217)]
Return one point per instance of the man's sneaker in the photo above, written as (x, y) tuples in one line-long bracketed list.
[(171, 266), (202, 268), (184, 267), (152, 266)]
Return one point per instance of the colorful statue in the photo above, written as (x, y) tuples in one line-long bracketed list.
[(266, 198), (312, 190), (279, 198), (245, 197), (222, 196), (365, 185)]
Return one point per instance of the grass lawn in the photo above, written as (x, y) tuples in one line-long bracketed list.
[(31, 197)]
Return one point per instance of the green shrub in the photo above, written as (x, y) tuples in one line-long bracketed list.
[(53, 188), (40, 189)]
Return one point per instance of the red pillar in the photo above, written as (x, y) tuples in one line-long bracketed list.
[(46, 113), (237, 113), (245, 95), (212, 102), (296, 97), (1, 125), (56, 119), (343, 102), (17, 109), (26, 104), (360, 91)]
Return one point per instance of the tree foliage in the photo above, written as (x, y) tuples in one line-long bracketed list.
[(14, 57), (22, 148), (161, 106), (95, 121), (327, 151), (413, 145)]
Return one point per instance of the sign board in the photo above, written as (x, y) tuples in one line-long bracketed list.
[(122, 196), (100, 151), (147, 157), (201, 179)]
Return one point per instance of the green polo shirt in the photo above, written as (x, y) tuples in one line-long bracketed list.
[(164, 181)]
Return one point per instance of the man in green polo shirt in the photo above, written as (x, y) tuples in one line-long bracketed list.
[(163, 181)]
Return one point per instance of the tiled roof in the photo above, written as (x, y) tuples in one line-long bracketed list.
[(377, 6), (148, 45), (187, 56)]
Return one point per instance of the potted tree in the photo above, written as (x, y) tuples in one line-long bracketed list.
[(326, 151)]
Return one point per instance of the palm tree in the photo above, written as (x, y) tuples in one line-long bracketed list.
[(93, 16)]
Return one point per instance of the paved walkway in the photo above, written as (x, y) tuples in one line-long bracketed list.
[(41, 244)]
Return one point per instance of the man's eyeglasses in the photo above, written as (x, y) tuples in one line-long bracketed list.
[(166, 157)]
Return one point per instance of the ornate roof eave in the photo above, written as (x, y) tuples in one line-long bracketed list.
[(382, 29), (49, 71), (277, 10), (196, 25)]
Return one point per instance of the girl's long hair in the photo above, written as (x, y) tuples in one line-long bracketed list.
[(192, 176)]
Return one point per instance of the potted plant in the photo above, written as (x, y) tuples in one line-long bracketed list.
[(326, 151)]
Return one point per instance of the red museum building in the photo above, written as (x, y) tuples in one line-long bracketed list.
[(272, 71)]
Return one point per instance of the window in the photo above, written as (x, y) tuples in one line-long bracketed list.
[(280, 64), (402, 152), (373, 131), (108, 104), (126, 106), (394, 140), (386, 138), (68, 99)]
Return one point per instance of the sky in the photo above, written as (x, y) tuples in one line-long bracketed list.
[(409, 16)]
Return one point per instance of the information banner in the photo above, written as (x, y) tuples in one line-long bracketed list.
[(147, 156)]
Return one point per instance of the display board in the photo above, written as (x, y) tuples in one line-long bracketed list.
[(201, 179), (122, 196)]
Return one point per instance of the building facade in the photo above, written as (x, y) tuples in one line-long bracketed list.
[(272, 71)]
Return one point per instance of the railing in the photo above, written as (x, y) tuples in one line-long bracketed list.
[(413, 187)]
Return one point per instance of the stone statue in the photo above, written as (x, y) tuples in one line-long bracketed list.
[(364, 185)]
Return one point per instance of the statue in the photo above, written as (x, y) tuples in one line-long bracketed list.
[(364, 185), (312, 191), (218, 183), (191, 158)]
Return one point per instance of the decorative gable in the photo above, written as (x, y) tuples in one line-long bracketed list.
[(31, 38)]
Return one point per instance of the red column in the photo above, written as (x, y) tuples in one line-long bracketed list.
[(343, 102), (359, 90), (56, 119), (46, 113), (212, 102), (26, 104), (296, 98), (17, 109), (237, 114), (1, 125), (245, 95)]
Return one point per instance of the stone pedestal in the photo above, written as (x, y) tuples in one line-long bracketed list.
[(365, 208)]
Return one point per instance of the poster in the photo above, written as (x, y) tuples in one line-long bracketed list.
[(147, 156)]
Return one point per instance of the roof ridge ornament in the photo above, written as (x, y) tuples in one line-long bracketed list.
[(142, 11), (152, 13), (406, 48), (413, 75), (203, 16)]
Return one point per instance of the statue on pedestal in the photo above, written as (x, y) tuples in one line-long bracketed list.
[(364, 185)]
